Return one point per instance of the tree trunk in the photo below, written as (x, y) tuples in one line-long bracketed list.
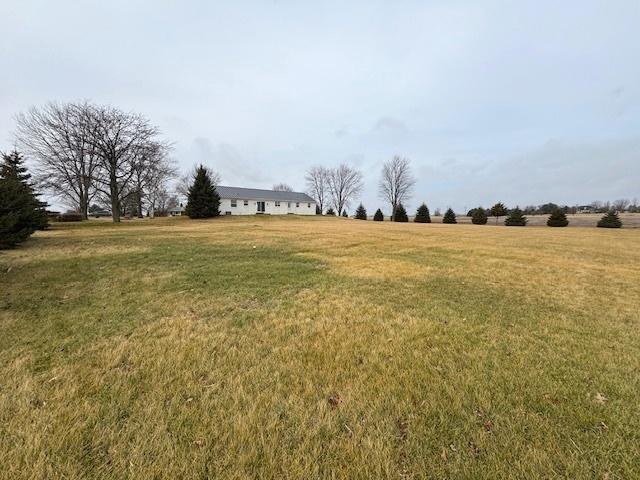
[(115, 204), (139, 203)]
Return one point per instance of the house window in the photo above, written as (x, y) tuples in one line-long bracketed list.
[(246, 202), (288, 204), (234, 203), (308, 205), (277, 204), (297, 204)]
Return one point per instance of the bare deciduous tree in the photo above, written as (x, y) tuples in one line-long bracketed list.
[(121, 140), (621, 205), (317, 179), (344, 183), (58, 138), (396, 182), (282, 187)]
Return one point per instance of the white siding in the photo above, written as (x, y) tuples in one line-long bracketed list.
[(270, 207)]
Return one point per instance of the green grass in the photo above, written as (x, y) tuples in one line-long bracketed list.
[(333, 349)]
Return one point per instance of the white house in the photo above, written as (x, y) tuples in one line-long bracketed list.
[(176, 211), (251, 201)]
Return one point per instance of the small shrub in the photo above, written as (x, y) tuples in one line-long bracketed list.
[(516, 218), (70, 217), (610, 220), (449, 216), (345, 214), (557, 218), (361, 213), (331, 211), (401, 214), (378, 216), (422, 214), (479, 216)]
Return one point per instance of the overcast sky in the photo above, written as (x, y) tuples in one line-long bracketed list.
[(522, 102)]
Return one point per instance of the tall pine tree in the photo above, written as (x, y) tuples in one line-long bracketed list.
[(361, 213), (203, 200), (21, 213), (422, 214), (401, 214), (378, 216), (449, 216)]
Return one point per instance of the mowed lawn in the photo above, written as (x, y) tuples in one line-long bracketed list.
[(266, 347)]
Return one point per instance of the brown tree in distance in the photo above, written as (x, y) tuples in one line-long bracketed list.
[(396, 182), (317, 179), (345, 183), (282, 187)]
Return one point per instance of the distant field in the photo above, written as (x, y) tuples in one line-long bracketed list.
[(266, 347)]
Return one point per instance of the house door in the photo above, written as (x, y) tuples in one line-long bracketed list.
[(260, 207)]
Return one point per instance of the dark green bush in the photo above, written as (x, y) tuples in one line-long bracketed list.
[(422, 214), (557, 218), (378, 216), (516, 218), (361, 213), (610, 220), (401, 214), (479, 216), (449, 216)]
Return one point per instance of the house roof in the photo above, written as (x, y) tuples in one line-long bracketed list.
[(239, 193)]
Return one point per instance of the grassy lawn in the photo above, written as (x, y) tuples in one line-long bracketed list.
[(320, 348)]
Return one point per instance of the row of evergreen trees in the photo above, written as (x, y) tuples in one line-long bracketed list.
[(21, 213), (515, 216)]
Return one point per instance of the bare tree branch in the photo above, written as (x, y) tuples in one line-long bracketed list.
[(396, 182), (317, 179), (344, 183)]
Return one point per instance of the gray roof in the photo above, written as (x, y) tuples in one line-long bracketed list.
[(239, 193)]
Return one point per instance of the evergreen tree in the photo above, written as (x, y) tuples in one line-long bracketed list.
[(330, 211), (610, 220), (345, 214), (401, 214), (203, 200), (449, 216), (557, 218), (422, 214), (361, 213), (515, 218), (479, 216), (498, 210), (378, 217), (21, 213)]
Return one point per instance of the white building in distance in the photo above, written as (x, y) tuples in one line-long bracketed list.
[(252, 201)]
